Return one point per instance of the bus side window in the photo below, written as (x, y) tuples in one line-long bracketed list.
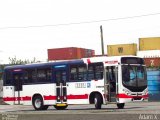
[(48, 74), (34, 76), (44, 75), (30, 76), (41, 76), (26, 77), (8, 78), (99, 71), (82, 72), (95, 71), (73, 73), (90, 72), (78, 72)]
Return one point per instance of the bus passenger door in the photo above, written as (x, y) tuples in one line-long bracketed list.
[(61, 89), (18, 88), (111, 83)]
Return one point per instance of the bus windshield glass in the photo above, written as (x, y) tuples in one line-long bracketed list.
[(134, 77)]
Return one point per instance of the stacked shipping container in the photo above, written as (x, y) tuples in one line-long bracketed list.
[(150, 51), (69, 53), (152, 43), (122, 49), (151, 57)]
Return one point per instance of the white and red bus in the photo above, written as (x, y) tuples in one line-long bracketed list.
[(97, 80)]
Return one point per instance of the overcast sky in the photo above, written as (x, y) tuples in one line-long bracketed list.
[(29, 27)]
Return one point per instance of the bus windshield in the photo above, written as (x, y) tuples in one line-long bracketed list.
[(134, 77)]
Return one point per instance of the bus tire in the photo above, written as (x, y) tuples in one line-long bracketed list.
[(60, 107), (38, 103), (98, 101), (120, 105)]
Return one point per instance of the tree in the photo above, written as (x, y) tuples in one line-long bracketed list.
[(15, 61)]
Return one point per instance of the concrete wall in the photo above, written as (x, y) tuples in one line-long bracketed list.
[(1, 86)]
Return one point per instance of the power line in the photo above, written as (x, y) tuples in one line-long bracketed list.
[(85, 22)]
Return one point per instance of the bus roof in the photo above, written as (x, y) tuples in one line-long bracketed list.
[(44, 64), (78, 61), (106, 58)]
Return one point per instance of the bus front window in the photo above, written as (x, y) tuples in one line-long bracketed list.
[(134, 77)]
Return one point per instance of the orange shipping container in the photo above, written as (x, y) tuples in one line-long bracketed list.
[(69, 53), (122, 49)]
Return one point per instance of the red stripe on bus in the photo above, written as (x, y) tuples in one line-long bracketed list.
[(128, 96), (9, 99), (50, 97), (123, 96), (28, 98), (68, 97)]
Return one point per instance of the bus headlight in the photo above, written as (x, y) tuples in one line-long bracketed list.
[(146, 91), (127, 91)]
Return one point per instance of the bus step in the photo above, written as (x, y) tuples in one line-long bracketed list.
[(61, 104), (113, 99)]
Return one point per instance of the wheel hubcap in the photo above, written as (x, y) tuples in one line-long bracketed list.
[(95, 100), (38, 103)]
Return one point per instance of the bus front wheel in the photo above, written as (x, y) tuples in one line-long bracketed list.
[(98, 101), (120, 105), (38, 103)]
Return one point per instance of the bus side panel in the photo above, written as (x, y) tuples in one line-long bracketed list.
[(50, 95), (47, 91), (79, 92), (8, 94)]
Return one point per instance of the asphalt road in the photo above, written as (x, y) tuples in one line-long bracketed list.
[(132, 111)]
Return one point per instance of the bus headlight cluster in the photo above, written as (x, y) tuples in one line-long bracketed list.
[(146, 91)]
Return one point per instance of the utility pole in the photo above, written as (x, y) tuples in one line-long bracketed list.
[(102, 43)]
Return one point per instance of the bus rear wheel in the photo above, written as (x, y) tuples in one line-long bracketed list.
[(98, 101), (38, 103), (120, 105), (60, 107)]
